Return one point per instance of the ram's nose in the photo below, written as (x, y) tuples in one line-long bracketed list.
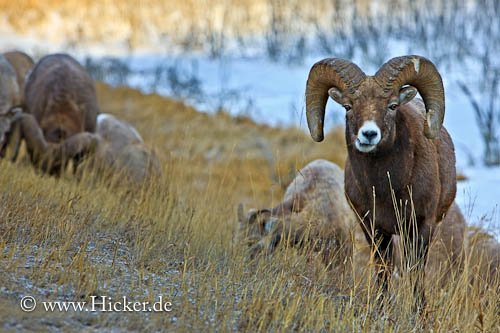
[(369, 134)]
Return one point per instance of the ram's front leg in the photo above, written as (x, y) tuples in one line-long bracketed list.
[(418, 240), (381, 245), (14, 142), (36, 144), (39, 150)]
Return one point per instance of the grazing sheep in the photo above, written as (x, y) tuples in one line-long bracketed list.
[(12, 99), (397, 149), (60, 96), (314, 211), (121, 149)]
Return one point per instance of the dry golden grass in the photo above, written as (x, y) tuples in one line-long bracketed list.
[(67, 240)]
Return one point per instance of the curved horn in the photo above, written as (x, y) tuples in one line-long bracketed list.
[(423, 75), (325, 74)]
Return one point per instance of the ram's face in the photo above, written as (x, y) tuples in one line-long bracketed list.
[(371, 114), (371, 119)]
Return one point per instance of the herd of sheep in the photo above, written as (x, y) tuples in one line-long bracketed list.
[(398, 187), (52, 106)]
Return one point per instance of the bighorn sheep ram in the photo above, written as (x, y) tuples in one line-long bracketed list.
[(61, 107), (397, 148), (314, 211), (14, 67), (122, 150)]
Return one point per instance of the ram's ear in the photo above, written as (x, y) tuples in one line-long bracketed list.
[(336, 95), (406, 94)]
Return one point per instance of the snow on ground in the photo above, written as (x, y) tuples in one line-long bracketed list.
[(479, 197)]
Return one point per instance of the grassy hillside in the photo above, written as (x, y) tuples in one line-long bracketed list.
[(68, 240)]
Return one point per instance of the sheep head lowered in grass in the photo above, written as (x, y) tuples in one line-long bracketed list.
[(313, 212), (388, 134)]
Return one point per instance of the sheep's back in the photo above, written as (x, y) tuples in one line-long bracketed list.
[(321, 187), (58, 82), (116, 132)]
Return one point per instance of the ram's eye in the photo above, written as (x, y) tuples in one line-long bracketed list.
[(347, 107), (393, 106)]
